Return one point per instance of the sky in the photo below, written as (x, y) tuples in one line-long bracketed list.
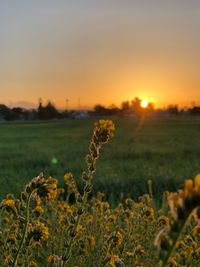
[(99, 52)]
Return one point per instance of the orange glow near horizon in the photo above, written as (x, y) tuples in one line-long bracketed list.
[(80, 55)]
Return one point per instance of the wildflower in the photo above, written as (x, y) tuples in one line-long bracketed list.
[(48, 189), (129, 202), (69, 180), (180, 244), (92, 241), (149, 212), (115, 261), (38, 231), (90, 219), (182, 205), (139, 250), (129, 213), (80, 229), (53, 258), (33, 264), (38, 210), (118, 238), (104, 129), (12, 239), (172, 262), (197, 182), (163, 220), (9, 204), (196, 230), (36, 245), (129, 254), (7, 260), (106, 125)]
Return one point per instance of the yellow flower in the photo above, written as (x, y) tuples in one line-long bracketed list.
[(33, 264), (196, 230), (38, 210), (104, 129), (172, 262), (54, 259), (106, 125), (51, 259), (92, 241), (70, 182), (48, 190), (113, 259), (129, 213), (36, 245), (38, 231), (7, 260), (118, 238), (149, 212), (197, 181), (129, 254), (11, 239), (163, 219), (80, 229), (8, 203), (188, 186)]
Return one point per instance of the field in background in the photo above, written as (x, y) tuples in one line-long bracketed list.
[(165, 150)]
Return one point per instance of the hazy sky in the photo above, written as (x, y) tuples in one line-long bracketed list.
[(100, 51)]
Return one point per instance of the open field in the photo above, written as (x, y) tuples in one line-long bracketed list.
[(165, 150)]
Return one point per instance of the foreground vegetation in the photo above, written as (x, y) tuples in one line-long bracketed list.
[(45, 227), (164, 150)]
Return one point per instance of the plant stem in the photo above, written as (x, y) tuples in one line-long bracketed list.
[(24, 232), (68, 252)]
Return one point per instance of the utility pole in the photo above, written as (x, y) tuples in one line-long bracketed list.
[(79, 103)]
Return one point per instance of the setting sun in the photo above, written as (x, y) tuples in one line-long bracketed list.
[(144, 103)]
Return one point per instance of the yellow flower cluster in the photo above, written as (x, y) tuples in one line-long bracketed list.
[(184, 206), (38, 231), (120, 236), (106, 125), (48, 189)]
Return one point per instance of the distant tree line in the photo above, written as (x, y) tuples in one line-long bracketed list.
[(127, 108), (133, 107), (43, 112)]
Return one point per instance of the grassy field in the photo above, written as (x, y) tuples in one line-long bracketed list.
[(164, 150)]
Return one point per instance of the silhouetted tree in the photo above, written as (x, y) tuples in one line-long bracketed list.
[(17, 113), (136, 106), (100, 110), (47, 112), (173, 109), (195, 111), (4, 111), (51, 111), (125, 107), (113, 110)]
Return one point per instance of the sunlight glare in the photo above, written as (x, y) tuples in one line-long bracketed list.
[(144, 103)]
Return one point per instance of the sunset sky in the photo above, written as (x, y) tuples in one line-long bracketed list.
[(99, 51)]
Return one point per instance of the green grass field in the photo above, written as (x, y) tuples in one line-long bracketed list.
[(165, 150)]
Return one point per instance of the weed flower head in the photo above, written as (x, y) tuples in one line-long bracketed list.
[(38, 231)]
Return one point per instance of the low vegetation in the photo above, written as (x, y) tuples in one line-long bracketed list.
[(165, 150), (60, 226)]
